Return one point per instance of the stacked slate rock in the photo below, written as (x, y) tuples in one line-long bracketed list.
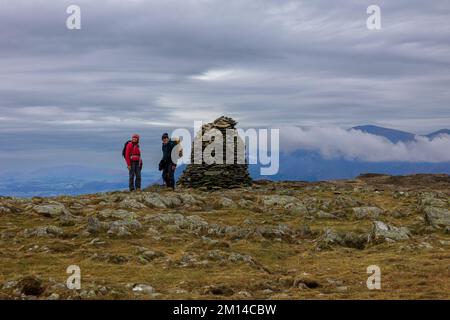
[(217, 176)]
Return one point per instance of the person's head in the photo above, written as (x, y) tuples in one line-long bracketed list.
[(165, 138), (135, 138)]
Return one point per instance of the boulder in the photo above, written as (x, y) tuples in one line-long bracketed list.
[(367, 212), (143, 288), (280, 201), (382, 231), (437, 217), (131, 204), (94, 225), (344, 239), (47, 231), (51, 210)]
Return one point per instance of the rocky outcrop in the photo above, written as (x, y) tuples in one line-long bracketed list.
[(437, 217)]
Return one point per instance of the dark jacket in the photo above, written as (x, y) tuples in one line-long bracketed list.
[(167, 153)]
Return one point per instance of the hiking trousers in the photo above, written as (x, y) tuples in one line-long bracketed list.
[(169, 176), (135, 175)]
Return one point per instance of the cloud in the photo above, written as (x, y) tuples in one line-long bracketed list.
[(149, 66), (335, 142)]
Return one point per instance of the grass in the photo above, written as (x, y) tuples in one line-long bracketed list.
[(408, 271)]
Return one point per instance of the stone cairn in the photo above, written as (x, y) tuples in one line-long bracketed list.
[(217, 176)]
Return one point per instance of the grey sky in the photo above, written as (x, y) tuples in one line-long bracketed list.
[(148, 66)]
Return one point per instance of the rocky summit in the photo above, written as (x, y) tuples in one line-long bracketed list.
[(227, 174), (273, 240)]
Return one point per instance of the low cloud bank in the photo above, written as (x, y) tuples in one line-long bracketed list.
[(335, 142)]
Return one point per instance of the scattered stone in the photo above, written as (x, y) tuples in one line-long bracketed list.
[(143, 288), (280, 201), (48, 231), (4, 210), (124, 228), (367, 212), (325, 215), (382, 231), (10, 284), (97, 242), (54, 296), (154, 200), (437, 217), (116, 214), (67, 220), (150, 255), (244, 294), (51, 210), (345, 239), (94, 226), (225, 202), (130, 203)]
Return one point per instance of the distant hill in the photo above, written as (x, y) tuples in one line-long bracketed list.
[(390, 134), (394, 135), (312, 166), (438, 133)]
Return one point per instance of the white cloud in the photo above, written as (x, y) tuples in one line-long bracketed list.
[(334, 142)]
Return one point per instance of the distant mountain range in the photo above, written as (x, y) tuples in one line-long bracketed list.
[(312, 166), (298, 165), (396, 136)]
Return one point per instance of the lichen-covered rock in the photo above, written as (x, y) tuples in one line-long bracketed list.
[(95, 226), (437, 217), (124, 228), (281, 201), (131, 204), (153, 200), (116, 214), (345, 239), (51, 210), (47, 231), (367, 212), (382, 231)]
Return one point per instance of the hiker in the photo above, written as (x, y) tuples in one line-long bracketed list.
[(167, 164), (132, 154)]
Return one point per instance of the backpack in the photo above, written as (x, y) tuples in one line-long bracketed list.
[(125, 148)]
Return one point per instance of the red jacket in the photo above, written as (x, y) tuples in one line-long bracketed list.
[(133, 153)]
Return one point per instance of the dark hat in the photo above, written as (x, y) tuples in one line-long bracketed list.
[(165, 135)]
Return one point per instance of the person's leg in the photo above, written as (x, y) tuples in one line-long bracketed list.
[(164, 174), (131, 180), (172, 178), (138, 176)]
